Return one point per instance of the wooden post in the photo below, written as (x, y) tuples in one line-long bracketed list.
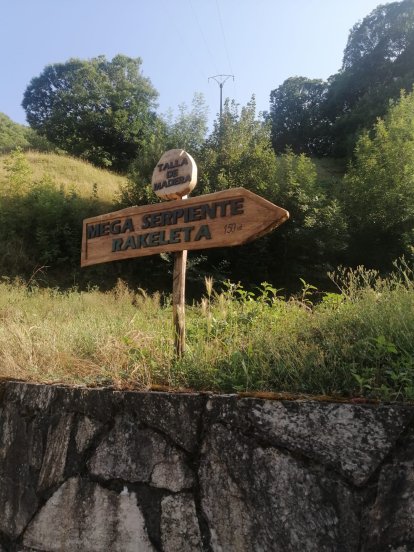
[(174, 177), (179, 270), (180, 265)]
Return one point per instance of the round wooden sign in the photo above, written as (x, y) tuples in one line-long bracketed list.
[(175, 175)]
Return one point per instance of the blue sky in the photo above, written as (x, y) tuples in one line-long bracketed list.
[(181, 42)]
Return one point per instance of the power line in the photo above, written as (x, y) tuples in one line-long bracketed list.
[(190, 50), (224, 37), (223, 34), (200, 28)]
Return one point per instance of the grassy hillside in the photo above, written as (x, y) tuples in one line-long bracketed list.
[(44, 197), (68, 173)]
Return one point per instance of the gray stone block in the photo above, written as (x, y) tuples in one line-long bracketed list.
[(20, 450), (391, 519), (82, 516), (177, 415), (179, 524), (262, 499), (54, 458), (86, 432), (353, 439), (140, 455)]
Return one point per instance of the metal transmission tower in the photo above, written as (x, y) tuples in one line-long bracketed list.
[(220, 80)]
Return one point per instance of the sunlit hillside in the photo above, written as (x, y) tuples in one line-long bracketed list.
[(69, 173)]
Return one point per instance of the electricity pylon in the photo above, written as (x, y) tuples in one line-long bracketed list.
[(220, 80)]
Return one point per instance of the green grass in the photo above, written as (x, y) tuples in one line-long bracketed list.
[(356, 343), (69, 173)]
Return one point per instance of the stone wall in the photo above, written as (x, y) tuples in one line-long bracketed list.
[(98, 470)]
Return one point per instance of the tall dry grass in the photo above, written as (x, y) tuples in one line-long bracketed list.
[(357, 342)]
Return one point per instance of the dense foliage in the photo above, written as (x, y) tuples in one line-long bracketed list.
[(13, 135), (239, 153), (100, 110), (296, 114), (378, 190), (326, 118)]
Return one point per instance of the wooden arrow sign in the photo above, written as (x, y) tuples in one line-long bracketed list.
[(222, 219)]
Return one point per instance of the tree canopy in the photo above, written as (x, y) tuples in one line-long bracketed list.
[(382, 36), (378, 192), (100, 110), (321, 118), (188, 129), (296, 115), (239, 153), (12, 135), (378, 62)]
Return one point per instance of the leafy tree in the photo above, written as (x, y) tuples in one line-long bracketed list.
[(239, 153), (296, 116), (13, 135), (383, 35), (18, 172), (378, 192), (188, 130), (378, 62), (325, 118), (97, 109), (314, 240)]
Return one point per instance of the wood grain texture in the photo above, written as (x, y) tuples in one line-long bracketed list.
[(180, 267), (222, 219)]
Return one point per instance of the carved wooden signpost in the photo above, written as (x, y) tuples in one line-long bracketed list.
[(222, 219)]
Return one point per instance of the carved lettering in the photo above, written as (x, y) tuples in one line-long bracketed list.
[(128, 225), (172, 164), (116, 244), (163, 237), (109, 227), (129, 243), (204, 211), (92, 231), (203, 232), (115, 227), (171, 182)]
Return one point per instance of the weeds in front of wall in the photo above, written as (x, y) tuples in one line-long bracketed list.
[(357, 342)]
